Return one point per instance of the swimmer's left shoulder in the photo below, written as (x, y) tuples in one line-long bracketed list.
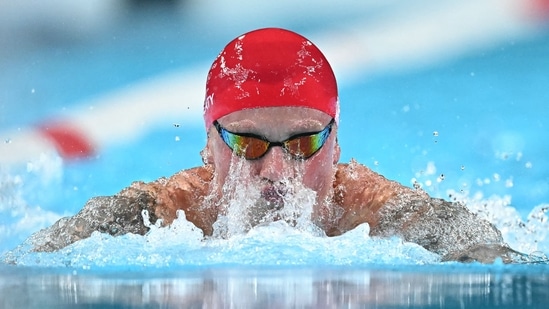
[(355, 170)]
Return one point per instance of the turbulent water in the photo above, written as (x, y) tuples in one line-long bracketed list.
[(288, 243)]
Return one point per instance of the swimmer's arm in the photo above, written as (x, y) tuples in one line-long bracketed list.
[(115, 215), (446, 228), (123, 213), (443, 227)]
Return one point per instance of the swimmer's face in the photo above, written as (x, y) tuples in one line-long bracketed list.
[(277, 166)]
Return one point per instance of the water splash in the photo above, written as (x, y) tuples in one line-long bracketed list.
[(525, 235), (275, 243), (252, 234), (182, 245), (248, 201)]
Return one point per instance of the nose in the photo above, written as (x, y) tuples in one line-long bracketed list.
[(274, 164)]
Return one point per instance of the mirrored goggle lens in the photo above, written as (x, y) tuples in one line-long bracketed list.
[(305, 146), (246, 146)]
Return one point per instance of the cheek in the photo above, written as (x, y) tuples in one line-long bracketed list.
[(222, 158), (319, 171), (221, 155)]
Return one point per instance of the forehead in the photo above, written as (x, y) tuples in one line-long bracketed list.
[(282, 119)]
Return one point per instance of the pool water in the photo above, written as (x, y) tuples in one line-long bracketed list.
[(281, 287), (470, 126)]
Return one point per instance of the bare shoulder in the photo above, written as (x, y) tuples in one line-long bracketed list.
[(354, 171), (193, 178), (201, 175), (361, 193), (355, 177)]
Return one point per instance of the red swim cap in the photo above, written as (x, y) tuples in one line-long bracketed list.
[(267, 68)]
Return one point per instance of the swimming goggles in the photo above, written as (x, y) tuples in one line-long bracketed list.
[(251, 146)]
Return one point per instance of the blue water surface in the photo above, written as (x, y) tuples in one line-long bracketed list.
[(280, 287)]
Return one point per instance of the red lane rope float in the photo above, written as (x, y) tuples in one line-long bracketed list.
[(68, 140)]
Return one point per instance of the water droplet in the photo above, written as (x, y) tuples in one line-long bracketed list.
[(440, 178), (177, 138), (528, 164), (32, 90), (519, 156)]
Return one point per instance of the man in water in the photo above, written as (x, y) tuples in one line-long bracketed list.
[(271, 113)]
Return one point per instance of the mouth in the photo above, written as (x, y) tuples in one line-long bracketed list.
[(274, 196)]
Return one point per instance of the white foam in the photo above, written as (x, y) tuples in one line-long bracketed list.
[(528, 235), (242, 205), (285, 242), (276, 243)]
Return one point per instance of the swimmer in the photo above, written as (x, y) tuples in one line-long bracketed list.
[(271, 112)]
